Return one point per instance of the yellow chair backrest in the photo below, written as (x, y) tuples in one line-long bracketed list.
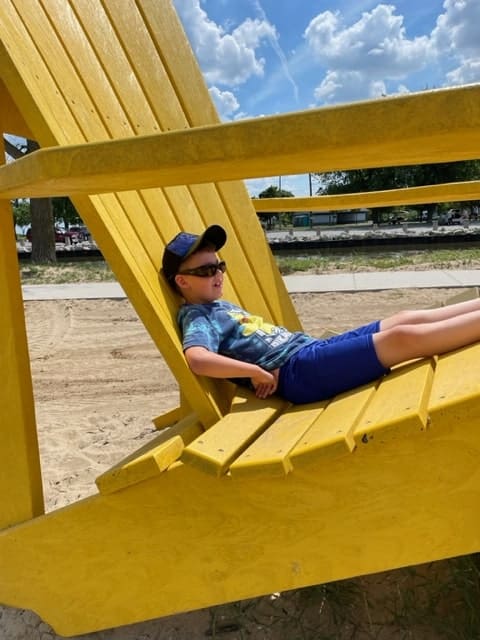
[(86, 72)]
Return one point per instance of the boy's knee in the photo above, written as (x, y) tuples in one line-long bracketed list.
[(405, 334)]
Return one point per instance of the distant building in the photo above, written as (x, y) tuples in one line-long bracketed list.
[(307, 219)]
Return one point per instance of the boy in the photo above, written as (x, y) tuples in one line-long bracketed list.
[(221, 340)]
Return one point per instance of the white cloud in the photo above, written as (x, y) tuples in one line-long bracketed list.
[(457, 28), (225, 101), (456, 37), (468, 72), (376, 43), (360, 58), (274, 43), (227, 59), (348, 86), (342, 57), (367, 58)]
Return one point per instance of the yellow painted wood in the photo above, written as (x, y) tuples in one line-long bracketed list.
[(268, 455), (249, 416), (441, 125), (151, 459), (184, 540), (142, 467), (449, 192), (169, 418), (21, 495), (331, 435), (117, 80), (456, 384), (10, 115), (399, 407)]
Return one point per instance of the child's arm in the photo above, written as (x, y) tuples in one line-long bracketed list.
[(207, 363)]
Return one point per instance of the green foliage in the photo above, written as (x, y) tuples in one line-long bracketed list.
[(382, 261), (65, 272), (269, 218), (21, 212), (64, 211), (98, 270), (386, 178), (275, 192), (364, 180)]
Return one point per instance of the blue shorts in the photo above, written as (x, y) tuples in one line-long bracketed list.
[(325, 368)]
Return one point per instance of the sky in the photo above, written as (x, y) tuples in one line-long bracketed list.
[(265, 57)]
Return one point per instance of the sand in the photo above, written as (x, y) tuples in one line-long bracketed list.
[(98, 382)]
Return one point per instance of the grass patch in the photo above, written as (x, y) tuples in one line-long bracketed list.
[(66, 272), (98, 271), (380, 261)]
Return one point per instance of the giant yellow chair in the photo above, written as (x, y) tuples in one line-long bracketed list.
[(239, 497)]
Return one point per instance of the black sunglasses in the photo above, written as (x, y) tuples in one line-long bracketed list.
[(205, 270)]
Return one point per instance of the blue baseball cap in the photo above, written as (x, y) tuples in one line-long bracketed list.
[(184, 244)]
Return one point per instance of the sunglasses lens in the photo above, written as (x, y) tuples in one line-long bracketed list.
[(207, 270)]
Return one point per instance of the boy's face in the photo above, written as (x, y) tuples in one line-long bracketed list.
[(196, 289)]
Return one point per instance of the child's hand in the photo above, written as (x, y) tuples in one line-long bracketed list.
[(265, 382)]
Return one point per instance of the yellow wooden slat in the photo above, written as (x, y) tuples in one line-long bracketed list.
[(170, 417), (142, 468), (268, 455), (151, 459), (434, 126), (21, 495), (12, 120), (456, 386), (215, 450), (399, 407), (449, 192), (41, 109), (331, 435), (71, 90)]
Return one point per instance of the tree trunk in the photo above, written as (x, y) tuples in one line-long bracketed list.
[(43, 235)]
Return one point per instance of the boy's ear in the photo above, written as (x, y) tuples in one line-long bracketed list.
[(180, 281)]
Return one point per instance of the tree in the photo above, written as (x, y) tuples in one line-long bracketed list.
[(43, 234), (64, 211), (274, 192), (41, 212), (385, 178)]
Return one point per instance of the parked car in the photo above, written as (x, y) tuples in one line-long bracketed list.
[(74, 234), (78, 233)]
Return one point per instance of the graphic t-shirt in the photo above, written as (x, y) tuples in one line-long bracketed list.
[(225, 328)]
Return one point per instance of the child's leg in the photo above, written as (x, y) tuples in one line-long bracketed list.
[(403, 342), (430, 315)]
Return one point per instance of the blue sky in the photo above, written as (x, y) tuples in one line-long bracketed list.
[(262, 57)]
